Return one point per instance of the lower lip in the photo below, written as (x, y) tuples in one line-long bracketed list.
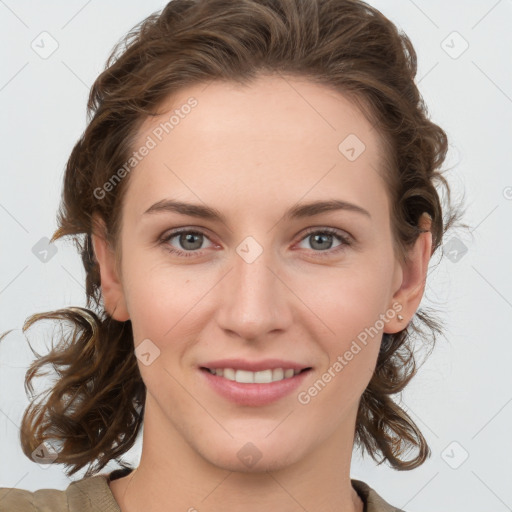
[(253, 394)]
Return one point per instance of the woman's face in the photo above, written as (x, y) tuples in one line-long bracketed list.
[(271, 279)]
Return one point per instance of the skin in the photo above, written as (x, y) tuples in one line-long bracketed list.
[(253, 153)]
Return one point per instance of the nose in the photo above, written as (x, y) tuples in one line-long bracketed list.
[(254, 299)]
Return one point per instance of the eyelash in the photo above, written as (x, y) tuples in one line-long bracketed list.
[(346, 241)]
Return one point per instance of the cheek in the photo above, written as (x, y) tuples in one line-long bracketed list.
[(351, 313), (349, 300), (162, 300)]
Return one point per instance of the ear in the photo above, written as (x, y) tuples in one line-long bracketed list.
[(414, 275), (111, 286)]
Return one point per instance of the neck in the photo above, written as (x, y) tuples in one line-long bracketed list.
[(172, 477)]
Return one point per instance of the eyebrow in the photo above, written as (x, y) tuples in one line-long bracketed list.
[(296, 212)]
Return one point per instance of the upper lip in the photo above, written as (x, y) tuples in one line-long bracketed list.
[(254, 366)]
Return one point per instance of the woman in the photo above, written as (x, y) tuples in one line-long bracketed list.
[(228, 142)]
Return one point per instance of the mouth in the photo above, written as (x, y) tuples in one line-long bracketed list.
[(254, 389), (267, 376)]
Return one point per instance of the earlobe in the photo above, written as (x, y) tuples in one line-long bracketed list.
[(414, 275), (111, 286)]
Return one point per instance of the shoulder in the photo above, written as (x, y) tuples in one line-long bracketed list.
[(373, 501), (21, 500), (89, 494)]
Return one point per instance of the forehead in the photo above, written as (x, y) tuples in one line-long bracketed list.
[(291, 108), (277, 138)]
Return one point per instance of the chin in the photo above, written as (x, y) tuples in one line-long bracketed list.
[(262, 466), (250, 457)]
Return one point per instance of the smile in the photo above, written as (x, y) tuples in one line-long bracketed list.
[(260, 377), (253, 393)]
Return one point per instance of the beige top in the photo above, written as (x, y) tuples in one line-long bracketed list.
[(93, 494)]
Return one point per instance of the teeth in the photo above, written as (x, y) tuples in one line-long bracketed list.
[(261, 377)]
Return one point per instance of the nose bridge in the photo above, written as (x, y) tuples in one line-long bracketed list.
[(252, 300)]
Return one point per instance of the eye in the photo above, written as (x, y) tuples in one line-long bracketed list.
[(321, 240), (188, 239)]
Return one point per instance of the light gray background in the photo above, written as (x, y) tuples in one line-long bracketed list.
[(463, 392)]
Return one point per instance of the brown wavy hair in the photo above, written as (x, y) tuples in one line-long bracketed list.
[(95, 409)]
